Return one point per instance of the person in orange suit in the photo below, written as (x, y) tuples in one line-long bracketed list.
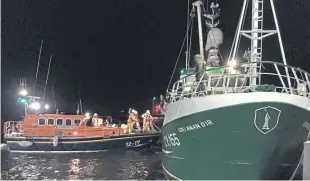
[(147, 121), (132, 119), (136, 120)]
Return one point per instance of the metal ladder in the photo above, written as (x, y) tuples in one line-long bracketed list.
[(256, 42)]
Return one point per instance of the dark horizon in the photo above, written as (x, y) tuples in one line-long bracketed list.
[(115, 54)]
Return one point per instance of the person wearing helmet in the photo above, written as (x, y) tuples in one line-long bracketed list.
[(132, 119), (136, 120), (147, 121), (95, 120)]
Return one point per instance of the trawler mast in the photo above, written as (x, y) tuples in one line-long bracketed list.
[(256, 35), (198, 6)]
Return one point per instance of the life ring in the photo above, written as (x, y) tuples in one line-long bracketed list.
[(55, 141)]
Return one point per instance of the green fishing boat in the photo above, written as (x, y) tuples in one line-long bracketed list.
[(235, 120)]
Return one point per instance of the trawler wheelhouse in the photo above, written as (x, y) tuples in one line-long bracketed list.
[(223, 80)]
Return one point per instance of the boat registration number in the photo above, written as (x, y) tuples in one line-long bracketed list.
[(131, 144)]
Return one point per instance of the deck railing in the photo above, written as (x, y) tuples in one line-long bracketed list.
[(12, 128), (275, 77)]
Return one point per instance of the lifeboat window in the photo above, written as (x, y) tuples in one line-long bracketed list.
[(77, 122), (50, 122), (59, 122), (41, 121), (68, 122)]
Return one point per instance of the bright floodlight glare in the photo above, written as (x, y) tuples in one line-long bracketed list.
[(154, 98), (35, 105), (46, 106), (23, 92), (232, 63), (87, 114)]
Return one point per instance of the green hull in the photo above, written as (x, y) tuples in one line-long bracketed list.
[(234, 143)]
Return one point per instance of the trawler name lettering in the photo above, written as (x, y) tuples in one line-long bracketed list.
[(201, 124)]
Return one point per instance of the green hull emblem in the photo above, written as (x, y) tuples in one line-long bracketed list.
[(266, 119)]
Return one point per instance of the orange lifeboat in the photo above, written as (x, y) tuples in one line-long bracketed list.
[(73, 133)]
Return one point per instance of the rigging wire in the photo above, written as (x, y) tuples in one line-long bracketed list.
[(175, 66), (48, 72), (38, 65), (190, 44)]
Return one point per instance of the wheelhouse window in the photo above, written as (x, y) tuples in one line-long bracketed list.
[(68, 122), (77, 122), (59, 122), (50, 122), (41, 122)]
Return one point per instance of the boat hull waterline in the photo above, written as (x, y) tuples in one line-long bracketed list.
[(81, 144), (225, 137)]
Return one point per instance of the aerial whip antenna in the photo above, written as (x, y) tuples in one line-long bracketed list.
[(48, 72), (35, 80), (54, 97), (81, 105)]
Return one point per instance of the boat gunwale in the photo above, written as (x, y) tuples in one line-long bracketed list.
[(25, 138), (175, 92)]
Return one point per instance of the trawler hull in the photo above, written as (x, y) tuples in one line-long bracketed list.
[(80, 144), (226, 137)]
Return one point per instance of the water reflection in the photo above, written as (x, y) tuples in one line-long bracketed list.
[(122, 165)]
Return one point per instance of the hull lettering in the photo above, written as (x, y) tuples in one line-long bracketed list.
[(199, 125)]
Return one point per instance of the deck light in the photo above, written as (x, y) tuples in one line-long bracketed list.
[(46, 106), (23, 92), (232, 63), (35, 106)]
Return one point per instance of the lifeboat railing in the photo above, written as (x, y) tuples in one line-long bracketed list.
[(12, 128), (236, 80)]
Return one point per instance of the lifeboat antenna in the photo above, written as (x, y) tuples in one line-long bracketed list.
[(54, 99), (48, 72), (23, 84), (24, 89), (38, 65), (79, 107)]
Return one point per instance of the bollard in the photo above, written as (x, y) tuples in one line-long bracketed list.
[(306, 165)]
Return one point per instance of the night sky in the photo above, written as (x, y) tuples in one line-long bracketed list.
[(117, 53)]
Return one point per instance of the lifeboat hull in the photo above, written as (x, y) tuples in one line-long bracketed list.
[(80, 144)]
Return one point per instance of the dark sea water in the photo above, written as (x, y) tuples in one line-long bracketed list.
[(139, 164)]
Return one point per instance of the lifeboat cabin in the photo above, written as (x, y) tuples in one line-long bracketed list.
[(71, 133)]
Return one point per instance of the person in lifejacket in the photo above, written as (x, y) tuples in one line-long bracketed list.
[(132, 119), (95, 120), (108, 121), (147, 121)]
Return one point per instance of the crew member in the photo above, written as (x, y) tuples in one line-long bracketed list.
[(108, 121), (95, 120), (147, 121), (136, 120), (132, 119)]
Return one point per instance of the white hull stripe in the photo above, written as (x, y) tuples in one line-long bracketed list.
[(170, 174), (198, 104), (57, 152)]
